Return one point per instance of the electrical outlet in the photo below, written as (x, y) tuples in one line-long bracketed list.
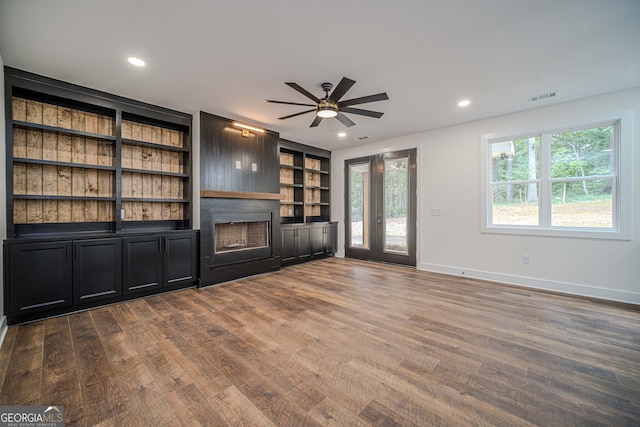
[(526, 259)]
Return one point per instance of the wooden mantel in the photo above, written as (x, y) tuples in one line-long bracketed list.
[(220, 194)]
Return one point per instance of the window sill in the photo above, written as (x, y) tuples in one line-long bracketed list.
[(577, 233)]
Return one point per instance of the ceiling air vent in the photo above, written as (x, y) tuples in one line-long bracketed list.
[(360, 138), (543, 96)]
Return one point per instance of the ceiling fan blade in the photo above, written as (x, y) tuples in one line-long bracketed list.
[(344, 120), (288, 103), (303, 91), (316, 122), (342, 88), (296, 114), (362, 112), (363, 100)]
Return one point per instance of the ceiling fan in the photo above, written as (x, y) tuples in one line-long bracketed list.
[(330, 105)]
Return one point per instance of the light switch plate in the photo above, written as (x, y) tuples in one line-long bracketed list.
[(238, 164), (254, 167)]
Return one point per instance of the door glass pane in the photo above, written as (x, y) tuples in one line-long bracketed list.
[(359, 202), (396, 197)]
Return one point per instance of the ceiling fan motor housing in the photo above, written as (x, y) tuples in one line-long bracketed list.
[(327, 88)]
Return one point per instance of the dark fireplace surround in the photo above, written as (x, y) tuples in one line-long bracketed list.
[(239, 185), (239, 237)]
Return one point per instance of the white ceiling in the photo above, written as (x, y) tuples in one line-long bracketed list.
[(226, 56)]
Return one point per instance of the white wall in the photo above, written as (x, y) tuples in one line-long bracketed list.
[(449, 166)]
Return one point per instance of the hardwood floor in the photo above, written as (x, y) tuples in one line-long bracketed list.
[(335, 342)]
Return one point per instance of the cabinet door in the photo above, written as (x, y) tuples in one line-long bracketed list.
[(318, 241), (97, 269), (288, 248), (141, 263), (39, 277), (179, 258), (303, 242), (331, 237)]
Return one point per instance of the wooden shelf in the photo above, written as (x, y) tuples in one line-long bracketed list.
[(142, 199), (28, 125), (154, 145), (155, 172), (64, 164), (46, 197)]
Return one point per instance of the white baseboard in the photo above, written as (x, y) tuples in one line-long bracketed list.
[(529, 282), (3, 329)]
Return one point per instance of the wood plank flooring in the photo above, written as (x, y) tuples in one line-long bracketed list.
[(335, 343)]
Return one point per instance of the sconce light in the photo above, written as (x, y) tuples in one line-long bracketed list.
[(247, 127)]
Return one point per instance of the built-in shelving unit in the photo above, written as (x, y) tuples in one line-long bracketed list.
[(304, 183), (155, 172), (63, 162), (291, 186), (306, 230), (316, 188), (84, 161), (98, 198)]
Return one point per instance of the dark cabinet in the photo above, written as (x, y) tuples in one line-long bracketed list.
[(97, 269), (296, 243), (39, 277), (151, 262), (307, 241), (141, 263), (324, 238), (47, 278), (180, 258)]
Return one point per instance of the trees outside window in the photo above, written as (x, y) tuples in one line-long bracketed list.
[(562, 179)]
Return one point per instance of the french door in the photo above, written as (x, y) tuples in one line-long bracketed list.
[(381, 207)]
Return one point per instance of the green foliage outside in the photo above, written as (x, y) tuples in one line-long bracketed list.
[(583, 153), (395, 191)]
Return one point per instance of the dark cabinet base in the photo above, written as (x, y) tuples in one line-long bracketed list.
[(49, 278), (304, 242)]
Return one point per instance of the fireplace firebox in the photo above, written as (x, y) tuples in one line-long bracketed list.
[(241, 236)]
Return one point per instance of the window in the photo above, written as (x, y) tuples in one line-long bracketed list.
[(570, 180)]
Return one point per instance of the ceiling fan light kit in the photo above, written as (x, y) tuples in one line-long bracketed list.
[(327, 110), (330, 105)]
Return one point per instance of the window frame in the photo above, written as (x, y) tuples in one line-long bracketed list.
[(622, 179)]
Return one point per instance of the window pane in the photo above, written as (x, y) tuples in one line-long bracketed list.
[(587, 203), (396, 196), (516, 160), (359, 205), (585, 152), (515, 204)]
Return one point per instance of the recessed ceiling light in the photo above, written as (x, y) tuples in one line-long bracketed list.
[(136, 61), (342, 134), (464, 103)]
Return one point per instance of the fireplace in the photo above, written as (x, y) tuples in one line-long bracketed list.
[(238, 237), (241, 236)]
